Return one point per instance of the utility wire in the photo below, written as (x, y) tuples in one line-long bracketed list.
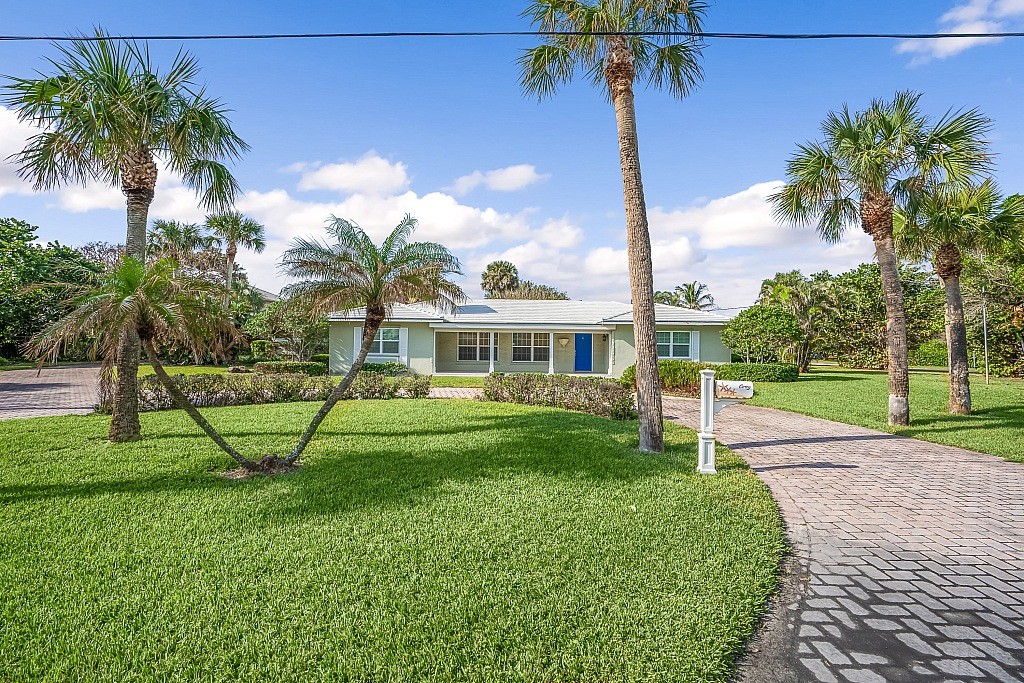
[(489, 34)]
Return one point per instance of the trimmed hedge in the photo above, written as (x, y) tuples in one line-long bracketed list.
[(324, 358), (391, 369), (930, 353), (216, 389), (595, 395), (295, 367), (683, 376)]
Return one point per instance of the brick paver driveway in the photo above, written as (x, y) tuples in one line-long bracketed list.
[(54, 391), (914, 552)]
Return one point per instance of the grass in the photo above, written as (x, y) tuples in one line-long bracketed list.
[(860, 397), (423, 540), (457, 381)]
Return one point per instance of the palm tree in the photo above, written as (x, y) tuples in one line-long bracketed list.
[(667, 298), (353, 272), (807, 299), (944, 223), (695, 296), (869, 162), (157, 302), (614, 43), (177, 240), (234, 230), (107, 114), (498, 278)]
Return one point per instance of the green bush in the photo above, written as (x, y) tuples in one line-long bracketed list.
[(373, 385), (758, 372), (262, 348), (762, 334), (930, 353), (595, 395), (391, 368), (324, 358), (291, 367)]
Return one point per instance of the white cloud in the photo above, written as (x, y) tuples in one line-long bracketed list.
[(508, 179), (13, 134), (973, 17), (370, 174)]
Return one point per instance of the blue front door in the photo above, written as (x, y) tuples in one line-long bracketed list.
[(584, 353)]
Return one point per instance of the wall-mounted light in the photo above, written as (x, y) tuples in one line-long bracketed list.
[(563, 341)]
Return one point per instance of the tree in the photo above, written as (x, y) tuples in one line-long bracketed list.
[(808, 300), (868, 163), (615, 43), (500, 280), (107, 114), (693, 295), (177, 240), (353, 272), (944, 223), (160, 304), (761, 334), (233, 230), (305, 332)]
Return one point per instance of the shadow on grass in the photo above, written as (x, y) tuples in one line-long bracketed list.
[(404, 465)]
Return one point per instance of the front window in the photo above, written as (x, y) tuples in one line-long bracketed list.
[(385, 343), (530, 347), (475, 346), (673, 344)]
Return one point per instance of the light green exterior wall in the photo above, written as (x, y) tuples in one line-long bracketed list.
[(710, 350), (420, 346)]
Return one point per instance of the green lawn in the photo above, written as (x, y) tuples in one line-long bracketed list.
[(423, 540), (457, 381), (860, 397), (147, 369)]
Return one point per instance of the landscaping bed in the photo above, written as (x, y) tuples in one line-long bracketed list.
[(422, 540)]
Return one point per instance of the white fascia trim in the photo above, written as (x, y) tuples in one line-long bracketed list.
[(521, 327)]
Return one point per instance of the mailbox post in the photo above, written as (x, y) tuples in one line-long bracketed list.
[(713, 397)]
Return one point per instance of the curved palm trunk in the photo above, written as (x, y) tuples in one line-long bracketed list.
[(619, 73), (182, 402), (374, 318), (876, 220), (138, 181), (231, 252), (949, 265)]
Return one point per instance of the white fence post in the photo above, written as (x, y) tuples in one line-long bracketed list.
[(706, 436)]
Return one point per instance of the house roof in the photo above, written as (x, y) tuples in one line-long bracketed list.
[(512, 312)]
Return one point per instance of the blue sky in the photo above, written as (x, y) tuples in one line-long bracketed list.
[(371, 128)]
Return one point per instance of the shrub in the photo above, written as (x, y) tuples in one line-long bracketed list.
[(262, 348), (391, 368), (595, 395), (239, 369), (291, 367), (324, 358), (930, 353), (758, 372), (762, 333)]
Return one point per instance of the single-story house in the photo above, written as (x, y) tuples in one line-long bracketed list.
[(505, 335)]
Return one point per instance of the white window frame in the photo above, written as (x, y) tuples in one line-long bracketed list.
[(675, 347), (534, 347), (377, 345), (482, 345)]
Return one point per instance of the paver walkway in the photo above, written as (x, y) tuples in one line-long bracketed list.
[(914, 552), (69, 390)]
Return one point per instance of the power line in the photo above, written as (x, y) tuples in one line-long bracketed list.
[(490, 34)]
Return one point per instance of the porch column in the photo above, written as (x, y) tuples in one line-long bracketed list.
[(490, 340), (433, 354), (551, 353)]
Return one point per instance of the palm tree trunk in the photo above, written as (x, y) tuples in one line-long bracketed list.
[(877, 221), (231, 252), (182, 402), (949, 265), (374, 318), (619, 73), (124, 418)]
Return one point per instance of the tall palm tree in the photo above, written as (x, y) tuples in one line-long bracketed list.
[(107, 114), (868, 163), (614, 43), (353, 272), (498, 278), (946, 222), (233, 230), (695, 296), (177, 240), (161, 304)]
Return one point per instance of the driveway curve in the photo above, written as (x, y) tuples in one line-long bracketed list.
[(910, 554)]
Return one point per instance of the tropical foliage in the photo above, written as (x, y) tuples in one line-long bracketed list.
[(291, 325), (351, 272), (762, 333), (693, 295), (869, 163), (500, 280), (613, 45)]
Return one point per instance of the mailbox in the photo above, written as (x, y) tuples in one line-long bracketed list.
[(734, 390)]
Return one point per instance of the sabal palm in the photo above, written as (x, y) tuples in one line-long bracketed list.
[(156, 302), (614, 43), (352, 272), (943, 224), (107, 114), (499, 277), (177, 240), (868, 163), (233, 230)]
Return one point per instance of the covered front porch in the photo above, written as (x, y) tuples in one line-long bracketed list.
[(577, 351)]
